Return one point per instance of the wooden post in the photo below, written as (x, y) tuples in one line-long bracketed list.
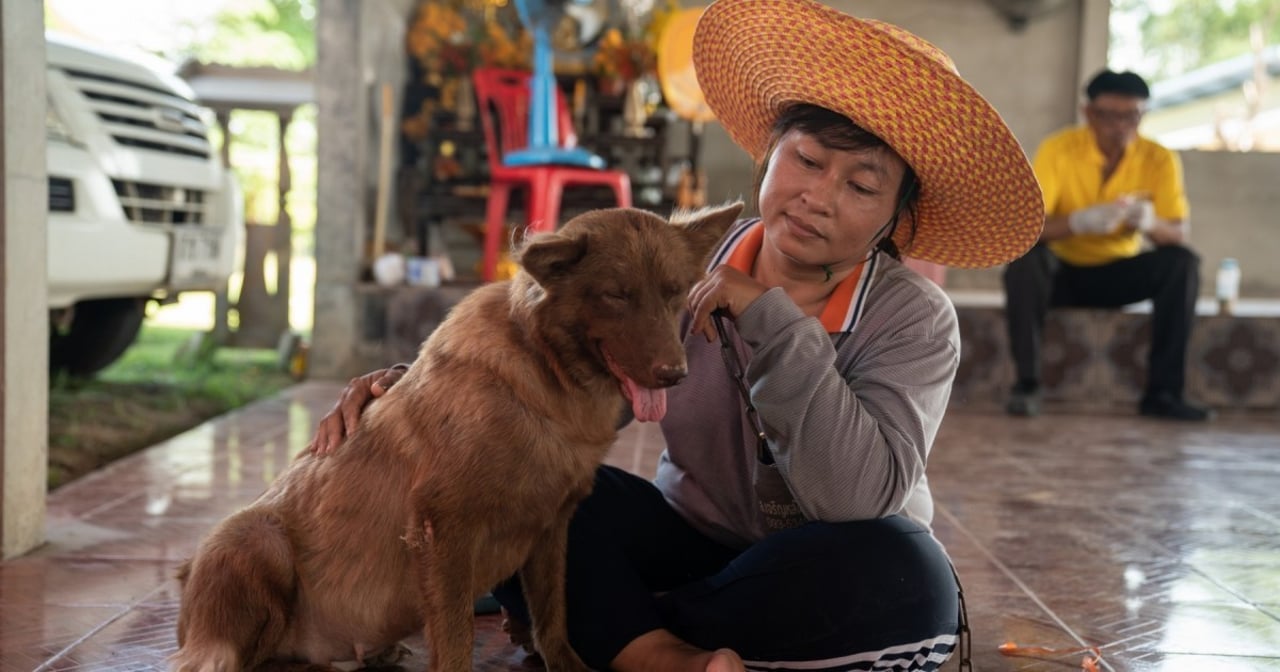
[(221, 302), (386, 140), (264, 314), (284, 227)]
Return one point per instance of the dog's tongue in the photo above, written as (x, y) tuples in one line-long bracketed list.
[(647, 405)]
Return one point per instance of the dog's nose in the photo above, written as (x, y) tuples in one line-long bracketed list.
[(669, 375)]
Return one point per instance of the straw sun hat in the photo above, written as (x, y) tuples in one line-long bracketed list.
[(980, 204)]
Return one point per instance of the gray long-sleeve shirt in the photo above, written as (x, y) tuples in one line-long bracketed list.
[(850, 430)]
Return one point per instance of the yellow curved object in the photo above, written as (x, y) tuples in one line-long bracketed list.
[(506, 269), (675, 67)]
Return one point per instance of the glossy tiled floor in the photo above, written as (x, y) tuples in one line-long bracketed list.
[(1159, 543)]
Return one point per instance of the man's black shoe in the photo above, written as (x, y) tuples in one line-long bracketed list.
[(1024, 400), (1172, 407)]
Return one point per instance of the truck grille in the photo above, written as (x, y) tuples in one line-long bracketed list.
[(62, 195), (140, 115), (160, 204)]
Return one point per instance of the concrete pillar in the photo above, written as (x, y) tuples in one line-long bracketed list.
[(343, 117), (1095, 36), (24, 311)]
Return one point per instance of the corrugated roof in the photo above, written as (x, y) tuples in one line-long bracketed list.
[(1211, 79), (248, 88)]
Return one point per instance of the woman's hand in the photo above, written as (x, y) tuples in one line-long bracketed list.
[(341, 420), (725, 288)]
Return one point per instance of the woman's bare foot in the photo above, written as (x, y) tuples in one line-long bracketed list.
[(725, 660), (661, 651)]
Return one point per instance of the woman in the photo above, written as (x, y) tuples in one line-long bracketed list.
[(788, 526)]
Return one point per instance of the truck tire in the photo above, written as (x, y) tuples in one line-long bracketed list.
[(101, 330)]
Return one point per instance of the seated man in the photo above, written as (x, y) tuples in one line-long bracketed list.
[(1106, 189)]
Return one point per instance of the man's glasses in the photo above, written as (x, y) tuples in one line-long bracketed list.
[(1117, 116)]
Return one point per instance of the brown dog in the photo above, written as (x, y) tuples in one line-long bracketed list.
[(464, 473)]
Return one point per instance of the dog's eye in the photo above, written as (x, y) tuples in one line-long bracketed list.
[(615, 297)]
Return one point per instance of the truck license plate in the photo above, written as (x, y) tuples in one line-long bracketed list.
[(194, 261)]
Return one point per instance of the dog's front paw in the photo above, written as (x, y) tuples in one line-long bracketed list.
[(391, 655), (209, 658)]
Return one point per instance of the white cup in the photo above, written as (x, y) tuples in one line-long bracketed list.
[(389, 270)]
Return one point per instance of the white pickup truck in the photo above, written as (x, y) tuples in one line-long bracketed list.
[(140, 206)]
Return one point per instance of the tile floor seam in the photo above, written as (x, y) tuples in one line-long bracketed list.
[(1008, 572), (1274, 520), (164, 445), (1152, 543), (1140, 537), (96, 629)]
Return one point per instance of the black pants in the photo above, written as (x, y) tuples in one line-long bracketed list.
[(1169, 275), (824, 596)]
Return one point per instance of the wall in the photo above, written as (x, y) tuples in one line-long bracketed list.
[(1235, 212)]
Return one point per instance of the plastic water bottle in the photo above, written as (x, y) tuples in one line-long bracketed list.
[(1228, 285)]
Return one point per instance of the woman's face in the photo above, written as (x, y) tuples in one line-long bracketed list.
[(822, 206)]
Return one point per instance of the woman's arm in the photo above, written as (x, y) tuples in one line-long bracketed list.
[(341, 420), (853, 442)]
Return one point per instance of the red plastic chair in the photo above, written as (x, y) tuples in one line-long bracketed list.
[(928, 269), (503, 99)]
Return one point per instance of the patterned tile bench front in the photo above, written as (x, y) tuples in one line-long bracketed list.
[(1096, 359)]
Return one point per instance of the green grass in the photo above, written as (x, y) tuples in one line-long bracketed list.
[(161, 387), (168, 355)]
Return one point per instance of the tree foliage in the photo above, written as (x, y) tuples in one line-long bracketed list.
[(266, 33), (1178, 36), (276, 33)]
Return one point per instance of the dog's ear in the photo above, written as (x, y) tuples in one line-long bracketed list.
[(704, 227), (549, 255)]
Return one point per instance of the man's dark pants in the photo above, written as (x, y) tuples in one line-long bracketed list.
[(1169, 275)]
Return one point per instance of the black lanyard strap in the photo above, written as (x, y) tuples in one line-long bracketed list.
[(736, 371)]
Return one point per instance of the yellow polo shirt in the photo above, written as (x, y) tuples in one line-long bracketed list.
[(1069, 167)]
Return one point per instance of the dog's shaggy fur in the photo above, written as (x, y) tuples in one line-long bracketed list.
[(466, 472)]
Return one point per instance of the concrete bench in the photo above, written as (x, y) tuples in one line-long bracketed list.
[(1096, 359)]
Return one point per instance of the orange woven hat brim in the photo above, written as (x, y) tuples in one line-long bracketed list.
[(980, 204)]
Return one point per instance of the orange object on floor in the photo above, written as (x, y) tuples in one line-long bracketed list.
[(503, 99), (1088, 664)]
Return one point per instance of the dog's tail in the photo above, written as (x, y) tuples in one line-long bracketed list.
[(237, 592)]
